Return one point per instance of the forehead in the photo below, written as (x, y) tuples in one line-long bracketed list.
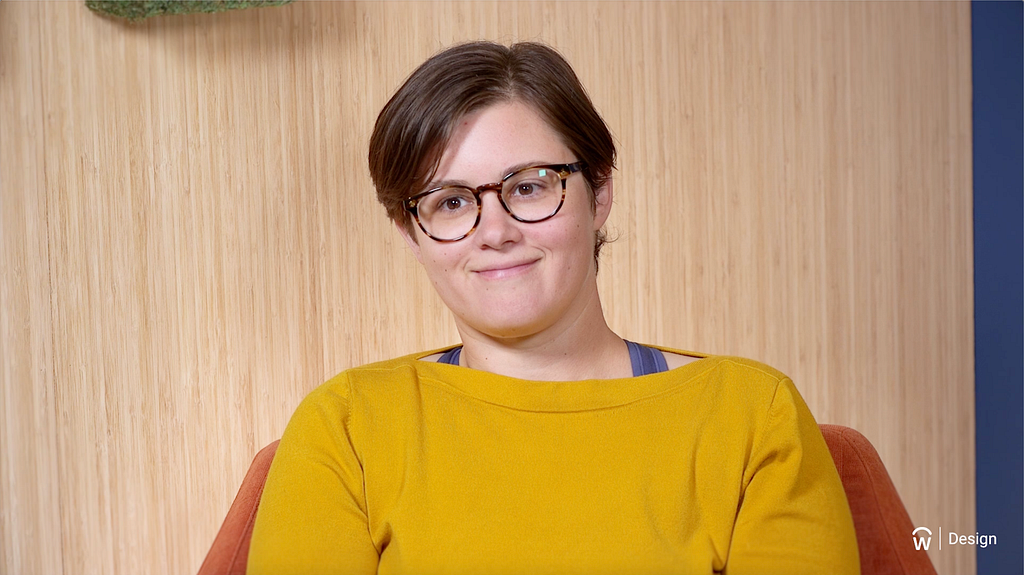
[(487, 143)]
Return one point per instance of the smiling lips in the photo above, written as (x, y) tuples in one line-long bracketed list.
[(502, 271)]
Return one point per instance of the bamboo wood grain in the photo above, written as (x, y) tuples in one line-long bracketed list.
[(190, 243)]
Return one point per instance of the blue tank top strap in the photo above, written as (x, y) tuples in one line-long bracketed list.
[(451, 356), (646, 360)]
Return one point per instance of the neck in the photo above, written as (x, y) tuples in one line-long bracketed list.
[(579, 346)]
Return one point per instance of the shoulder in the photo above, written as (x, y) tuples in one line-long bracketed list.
[(338, 389), (337, 404), (404, 368), (760, 382), (678, 357), (408, 363), (412, 362), (725, 369), (734, 387), (749, 369), (771, 401), (370, 380)]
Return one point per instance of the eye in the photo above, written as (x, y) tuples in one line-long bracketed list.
[(527, 188), (451, 202), (531, 184), (532, 189)]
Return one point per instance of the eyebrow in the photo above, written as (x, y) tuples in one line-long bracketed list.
[(508, 170)]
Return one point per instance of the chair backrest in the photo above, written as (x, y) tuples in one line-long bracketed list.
[(883, 525), (884, 529), (230, 550)]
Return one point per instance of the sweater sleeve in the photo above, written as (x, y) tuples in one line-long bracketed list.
[(312, 517), (793, 517)]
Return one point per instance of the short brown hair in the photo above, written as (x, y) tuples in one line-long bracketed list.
[(415, 126)]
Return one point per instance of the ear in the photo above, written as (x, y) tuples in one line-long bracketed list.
[(410, 240), (602, 204)]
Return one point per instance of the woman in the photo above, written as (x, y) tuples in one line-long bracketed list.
[(544, 443)]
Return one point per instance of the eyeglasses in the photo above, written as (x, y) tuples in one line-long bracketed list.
[(450, 213)]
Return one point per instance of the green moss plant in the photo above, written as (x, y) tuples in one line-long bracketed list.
[(136, 10)]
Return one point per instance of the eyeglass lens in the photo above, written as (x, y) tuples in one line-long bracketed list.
[(531, 195)]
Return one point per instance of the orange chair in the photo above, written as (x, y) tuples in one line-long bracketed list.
[(230, 549), (882, 523), (883, 526)]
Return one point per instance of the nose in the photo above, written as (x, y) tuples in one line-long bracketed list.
[(497, 227)]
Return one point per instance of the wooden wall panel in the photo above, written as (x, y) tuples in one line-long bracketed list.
[(30, 510), (190, 242)]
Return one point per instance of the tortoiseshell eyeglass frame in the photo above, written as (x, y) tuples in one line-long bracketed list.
[(564, 171)]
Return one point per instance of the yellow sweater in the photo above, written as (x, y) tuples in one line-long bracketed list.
[(416, 467)]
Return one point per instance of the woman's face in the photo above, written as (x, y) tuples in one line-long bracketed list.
[(511, 279)]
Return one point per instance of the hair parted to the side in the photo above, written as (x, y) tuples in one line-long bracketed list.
[(414, 127)]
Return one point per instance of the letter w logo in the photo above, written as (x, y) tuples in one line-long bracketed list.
[(920, 540)]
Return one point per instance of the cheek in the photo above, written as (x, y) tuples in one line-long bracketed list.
[(576, 242), (440, 262), (440, 267)]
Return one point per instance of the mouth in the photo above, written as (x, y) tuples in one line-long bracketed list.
[(503, 271)]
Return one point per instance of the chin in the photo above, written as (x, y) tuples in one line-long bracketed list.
[(508, 325), (509, 330)]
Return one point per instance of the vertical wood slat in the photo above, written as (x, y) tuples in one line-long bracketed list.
[(30, 504), (190, 241)]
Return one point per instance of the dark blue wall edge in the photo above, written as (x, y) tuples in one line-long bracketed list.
[(997, 59)]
